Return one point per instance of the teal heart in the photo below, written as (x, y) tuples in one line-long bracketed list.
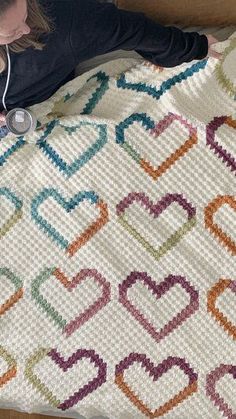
[(69, 169), (11, 150), (69, 205), (99, 92)]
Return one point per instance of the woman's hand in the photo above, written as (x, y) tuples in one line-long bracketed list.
[(211, 52), (2, 119)]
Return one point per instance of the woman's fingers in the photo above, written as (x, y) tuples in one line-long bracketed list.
[(211, 52), (211, 40), (2, 119), (214, 54)]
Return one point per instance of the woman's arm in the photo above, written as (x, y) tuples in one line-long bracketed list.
[(102, 27)]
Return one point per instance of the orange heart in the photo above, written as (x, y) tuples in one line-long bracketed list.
[(210, 210), (14, 297), (212, 295), (91, 230), (11, 372)]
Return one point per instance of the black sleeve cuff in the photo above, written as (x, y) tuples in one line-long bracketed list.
[(203, 47)]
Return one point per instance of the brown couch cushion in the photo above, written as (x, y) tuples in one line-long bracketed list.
[(185, 12)]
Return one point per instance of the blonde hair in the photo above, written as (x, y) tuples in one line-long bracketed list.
[(39, 24)]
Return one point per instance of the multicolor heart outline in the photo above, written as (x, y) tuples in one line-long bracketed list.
[(68, 328), (155, 131), (69, 205), (70, 169), (223, 80), (211, 130), (212, 296), (17, 295), (210, 211), (158, 290), (156, 210), (65, 365), (12, 367), (211, 380), (155, 372), (20, 142), (16, 216)]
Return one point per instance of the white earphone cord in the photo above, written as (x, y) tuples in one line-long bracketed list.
[(8, 78)]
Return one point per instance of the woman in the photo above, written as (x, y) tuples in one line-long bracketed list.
[(42, 41)]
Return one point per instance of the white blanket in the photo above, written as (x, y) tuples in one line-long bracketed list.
[(118, 245)]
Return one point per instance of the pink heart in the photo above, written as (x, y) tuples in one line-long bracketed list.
[(211, 381), (88, 313), (101, 302)]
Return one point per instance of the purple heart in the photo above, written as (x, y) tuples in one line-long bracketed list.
[(158, 290), (159, 370), (92, 384), (155, 209), (155, 372), (211, 129)]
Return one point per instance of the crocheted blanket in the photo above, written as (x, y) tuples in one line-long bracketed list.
[(118, 245)]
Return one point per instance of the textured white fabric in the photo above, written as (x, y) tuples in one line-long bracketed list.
[(93, 195)]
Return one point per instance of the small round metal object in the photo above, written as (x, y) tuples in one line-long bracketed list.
[(20, 121)]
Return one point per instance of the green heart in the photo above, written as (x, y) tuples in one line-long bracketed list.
[(15, 217)]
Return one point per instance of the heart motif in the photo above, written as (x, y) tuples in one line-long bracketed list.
[(12, 367), (155, 372), (103, 78), (228, 85), (155, 210), (158, 290), (69, 169), (17, 214), (84, 275), (210, 210), (11, 150), (211, 380), (155, 131), (18, 294), (211, 130), (212, 296), (81, 240), (65, 365), (122, 83)]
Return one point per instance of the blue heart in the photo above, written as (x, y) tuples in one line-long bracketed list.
[(69, 169)]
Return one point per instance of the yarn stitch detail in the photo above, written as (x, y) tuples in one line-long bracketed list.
[(158, 290), (155, 210), (69, 327)]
